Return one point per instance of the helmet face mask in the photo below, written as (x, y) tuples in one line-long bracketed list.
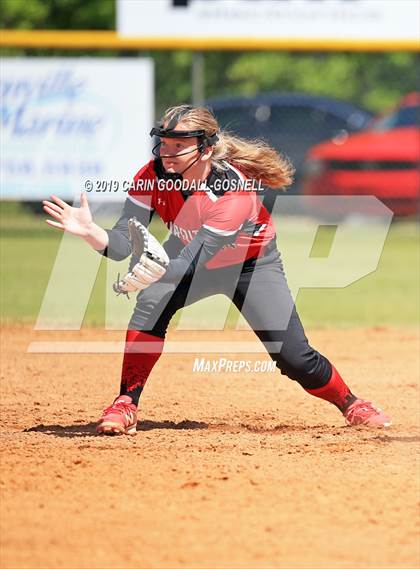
[(203, 140), (161, 153), (169, 131), (172, 133)]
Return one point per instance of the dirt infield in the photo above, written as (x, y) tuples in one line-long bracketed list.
[(226, 471)]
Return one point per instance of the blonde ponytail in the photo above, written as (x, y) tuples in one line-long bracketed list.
[(255, 159)]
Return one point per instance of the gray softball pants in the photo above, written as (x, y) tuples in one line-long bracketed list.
[(259, 289)]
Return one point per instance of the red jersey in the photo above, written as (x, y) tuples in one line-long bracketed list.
[(226, 213)]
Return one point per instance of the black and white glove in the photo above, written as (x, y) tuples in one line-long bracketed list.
[(148, 262)]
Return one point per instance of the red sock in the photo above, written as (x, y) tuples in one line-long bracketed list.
[(141, 352), (335, 391)]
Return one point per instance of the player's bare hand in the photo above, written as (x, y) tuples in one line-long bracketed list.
[(74, 220)]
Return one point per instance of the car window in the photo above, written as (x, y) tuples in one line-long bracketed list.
[(289, 119), (404, 117), (240, 120), (277, 121)]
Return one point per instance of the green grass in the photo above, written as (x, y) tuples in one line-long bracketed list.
[(388, 296)]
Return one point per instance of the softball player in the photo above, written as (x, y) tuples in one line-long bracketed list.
[(222, 241)]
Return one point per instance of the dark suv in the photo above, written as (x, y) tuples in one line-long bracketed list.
[(290, 122)]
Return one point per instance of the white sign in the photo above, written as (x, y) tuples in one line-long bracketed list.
[(334, 20), (66, 121)]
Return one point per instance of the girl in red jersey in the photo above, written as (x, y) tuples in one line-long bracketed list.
[(222, 241)]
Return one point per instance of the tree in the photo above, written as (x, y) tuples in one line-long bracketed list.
[(373, 80)]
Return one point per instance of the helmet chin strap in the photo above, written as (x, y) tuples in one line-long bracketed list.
[(180, 175)]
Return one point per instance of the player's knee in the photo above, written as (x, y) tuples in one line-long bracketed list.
[(154, 308)]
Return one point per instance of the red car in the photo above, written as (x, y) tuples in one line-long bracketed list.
[(382, 160)]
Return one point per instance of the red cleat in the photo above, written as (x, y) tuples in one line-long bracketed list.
[(119, 419), (362, 412)]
